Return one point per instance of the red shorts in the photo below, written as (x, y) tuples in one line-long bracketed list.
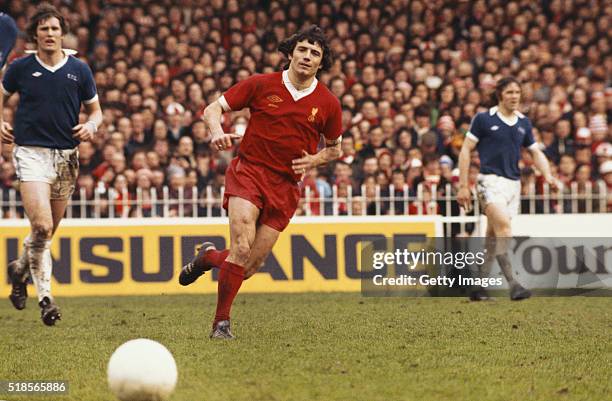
[(275, 195)]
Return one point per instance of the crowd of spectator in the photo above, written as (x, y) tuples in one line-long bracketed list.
[(410, 75)]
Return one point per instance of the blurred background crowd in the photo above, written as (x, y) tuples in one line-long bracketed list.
[(410, 75)]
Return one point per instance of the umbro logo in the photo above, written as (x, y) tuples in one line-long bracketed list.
[(36, 74), (494, 128), (521, 130), (274, 99)]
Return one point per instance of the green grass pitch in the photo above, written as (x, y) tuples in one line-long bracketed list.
[(323, 346)]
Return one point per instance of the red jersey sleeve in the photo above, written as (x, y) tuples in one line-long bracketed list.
[(333, 125), (240, 95)]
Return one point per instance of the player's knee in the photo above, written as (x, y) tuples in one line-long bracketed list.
[(503, 230), (42, 230), (241, 251)]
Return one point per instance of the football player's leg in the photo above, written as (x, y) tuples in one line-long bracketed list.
[(37, 206), (242, 218), (490, 249), (499, 220), (58, 208), (484, 271), (265, 239)]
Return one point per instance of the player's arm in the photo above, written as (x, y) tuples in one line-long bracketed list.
[(6, 130), (541, 163), (539, 159), (86, 131), (330, 152), (212, 118), (464, 196)]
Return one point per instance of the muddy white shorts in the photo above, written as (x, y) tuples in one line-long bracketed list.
[(57, 167), (502, 191)]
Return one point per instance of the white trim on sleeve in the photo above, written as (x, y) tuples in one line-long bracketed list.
[(224, 104), (472, 137), (90, 101), (6, 93), (533, 146)]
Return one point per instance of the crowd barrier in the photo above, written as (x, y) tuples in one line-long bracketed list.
[(144, 256)]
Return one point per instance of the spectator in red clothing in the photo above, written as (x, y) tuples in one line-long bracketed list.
[(605, 171), (392, 60)]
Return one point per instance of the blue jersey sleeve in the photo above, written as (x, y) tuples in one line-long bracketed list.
[(10, 82), (477, 127), (8, 36), (87, 87), (528, 140)]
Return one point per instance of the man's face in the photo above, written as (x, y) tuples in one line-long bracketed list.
[(348, 146), (567, 166), (49, 35), (370, 166), (306, 58), (511, 97)]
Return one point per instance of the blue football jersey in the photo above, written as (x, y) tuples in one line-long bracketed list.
[(49, 99), (499, 142)]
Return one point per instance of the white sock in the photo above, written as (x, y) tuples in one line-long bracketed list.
[(23, 259), (39, 258)]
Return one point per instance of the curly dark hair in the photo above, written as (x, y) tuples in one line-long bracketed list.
[(314, 35), (43, 12), (502, 84)]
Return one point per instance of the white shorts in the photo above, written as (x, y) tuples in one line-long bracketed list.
[(57, 167), (504, 192)]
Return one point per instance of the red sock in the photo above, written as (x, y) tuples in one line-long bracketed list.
[(217, 257), (230, 280)]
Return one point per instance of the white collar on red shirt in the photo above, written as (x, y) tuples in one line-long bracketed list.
[(298, 94)]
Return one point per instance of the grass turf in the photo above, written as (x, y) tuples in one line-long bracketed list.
[(326, 347)]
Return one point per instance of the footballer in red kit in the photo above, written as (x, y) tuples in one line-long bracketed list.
[(289, 112)]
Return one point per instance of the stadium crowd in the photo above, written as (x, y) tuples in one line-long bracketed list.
[(410, 75)]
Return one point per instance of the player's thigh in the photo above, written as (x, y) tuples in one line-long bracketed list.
[(35, 197), (265, 239), (498, 219), (243, 216), (58, 208)]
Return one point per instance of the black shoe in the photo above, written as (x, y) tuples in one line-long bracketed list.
[(49, 312), (480, 295), (517, 293), (198, 265), (222, 331), (19, 276)]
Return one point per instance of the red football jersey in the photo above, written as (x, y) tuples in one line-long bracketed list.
[(280, 128)]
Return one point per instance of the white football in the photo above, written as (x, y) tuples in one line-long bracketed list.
[(142, 370)]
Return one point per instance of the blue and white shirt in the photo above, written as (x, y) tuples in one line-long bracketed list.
[(499, 141), (8, 36), (50, 99)]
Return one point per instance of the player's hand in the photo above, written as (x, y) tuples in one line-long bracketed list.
[(464, 198), (554, 184), (222, 142), (6, 132), (304, 163), (84, 132)]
